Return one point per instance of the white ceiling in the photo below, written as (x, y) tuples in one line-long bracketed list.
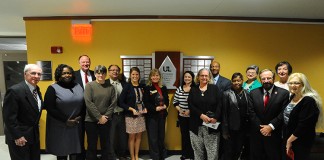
[(13, 11)]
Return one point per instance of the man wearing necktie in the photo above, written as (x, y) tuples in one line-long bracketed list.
[(83, 76), (118, 135), (266, 118), (22, 107)]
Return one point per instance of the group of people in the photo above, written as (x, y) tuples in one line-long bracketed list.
[(219, 118), (258, 120)]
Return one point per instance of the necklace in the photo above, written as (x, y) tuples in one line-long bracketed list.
[(240, 95), (202, 91)]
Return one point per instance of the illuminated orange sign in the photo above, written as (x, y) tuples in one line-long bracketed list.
[(81, 32)]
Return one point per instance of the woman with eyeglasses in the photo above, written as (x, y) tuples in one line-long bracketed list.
[(63, 101), (205, 111), (100, 99), (301, 116), (252, 82)]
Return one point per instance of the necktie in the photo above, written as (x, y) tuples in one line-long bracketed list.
[(266, 99), (35, 95), (86, 78)]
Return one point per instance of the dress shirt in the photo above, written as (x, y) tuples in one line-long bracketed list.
[(32, 88), (83, 79), (264, 94), (118, 89), (216, 79)]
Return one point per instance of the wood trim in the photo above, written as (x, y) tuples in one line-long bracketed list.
[(177, 17)]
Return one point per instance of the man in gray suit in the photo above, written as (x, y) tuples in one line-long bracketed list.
[(21, 112)]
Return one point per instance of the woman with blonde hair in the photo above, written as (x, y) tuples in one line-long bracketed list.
[(156, 101), (301, 116)]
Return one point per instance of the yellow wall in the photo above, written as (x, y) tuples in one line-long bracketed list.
[(234, 45)]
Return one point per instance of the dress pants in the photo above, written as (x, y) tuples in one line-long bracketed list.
[(27, 152), (94, 130), (156, 132), (186, 151), (234, 145), (118, 136), (205, 141), (265, 147)]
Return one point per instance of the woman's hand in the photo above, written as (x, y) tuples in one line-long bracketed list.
[(288, 147), (205, 118), (213, 120), (103, 119), (135, 112)]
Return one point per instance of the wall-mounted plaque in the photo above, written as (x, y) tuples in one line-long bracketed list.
[(47, 70)]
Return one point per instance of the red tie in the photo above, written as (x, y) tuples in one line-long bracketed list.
[(266, 99), (85, 78)]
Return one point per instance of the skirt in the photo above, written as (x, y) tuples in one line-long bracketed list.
[(135, 124)]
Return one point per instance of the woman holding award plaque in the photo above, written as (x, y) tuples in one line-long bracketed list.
[(205, 112), (180, 102), (156, 101), (131, 99)]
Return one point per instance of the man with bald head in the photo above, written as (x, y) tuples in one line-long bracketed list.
[(221, 82), (22, 107)]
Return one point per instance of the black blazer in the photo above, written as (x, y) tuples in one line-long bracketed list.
[(272, 113), (231, 119), (223, 83), (198, 104), (78, 78), (128, 98), (150, 94), (20, 113), (302, 122)]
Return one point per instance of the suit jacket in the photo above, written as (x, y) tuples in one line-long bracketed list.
[(150, 95), (123, 84), (231, 118), (272, 113), (128, 98), (21, 114), (78, 78), (223, 84)]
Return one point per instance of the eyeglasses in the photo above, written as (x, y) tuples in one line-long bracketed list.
[(294, 83), (35, 73), (114, 70), (266, 78)]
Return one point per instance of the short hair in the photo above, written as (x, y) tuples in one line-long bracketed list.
[(265, 70), (154, 71), (59, 70), (214, 61), (29, 66), (255, 67), (210, 75), (192, 78), (114, 65), (100, 69), (237, 74), (84, 55), (130, 73), (289, 67)]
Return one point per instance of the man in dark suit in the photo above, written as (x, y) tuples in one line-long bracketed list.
[(118, 135), (22, 107), (221, 82), (83, 76), (266, 118)]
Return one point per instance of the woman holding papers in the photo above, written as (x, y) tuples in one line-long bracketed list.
[(235, 118), (205, 111), (63, 101)]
